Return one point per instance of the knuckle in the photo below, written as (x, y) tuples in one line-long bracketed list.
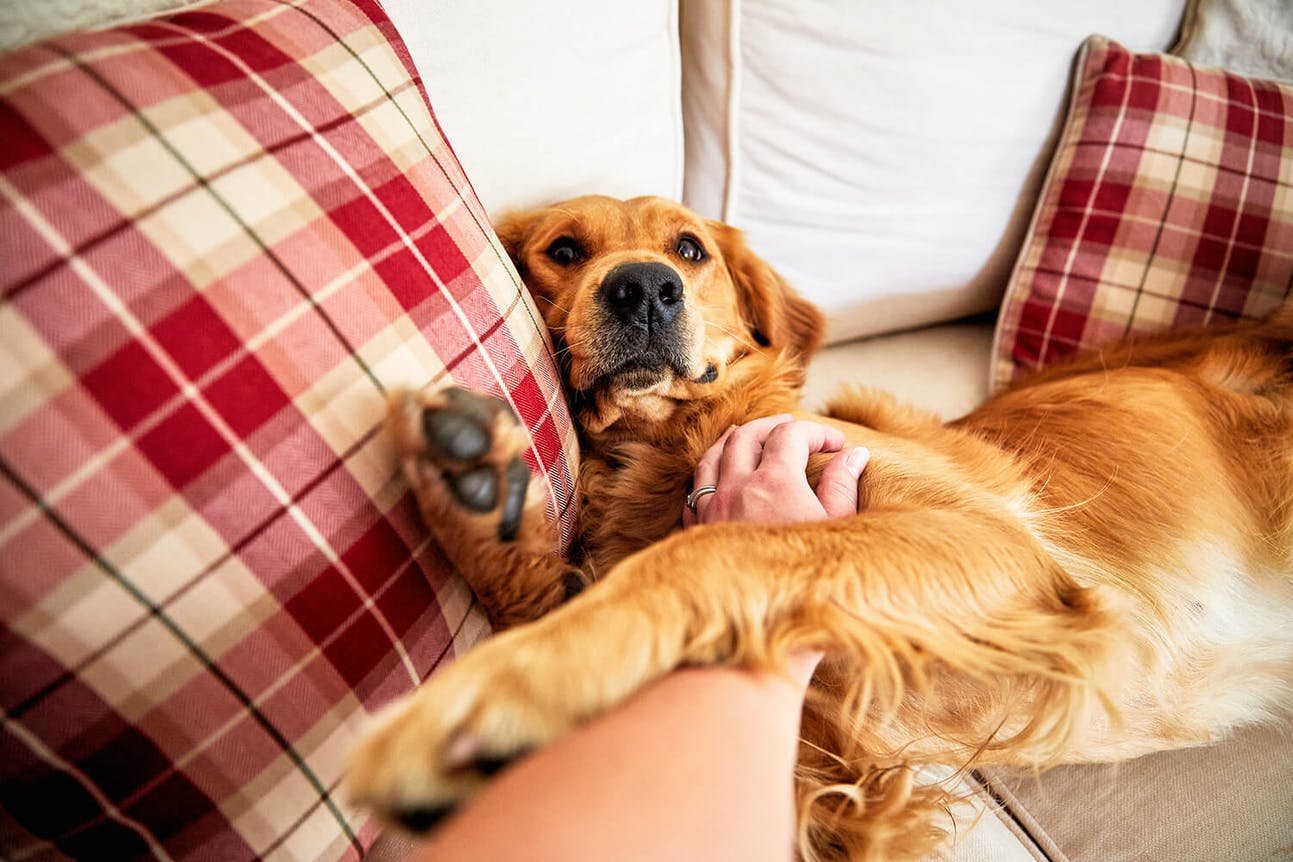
[(783, 430), (740, 433), (766, 424), (743, 437)]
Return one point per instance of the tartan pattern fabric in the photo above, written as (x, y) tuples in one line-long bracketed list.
[(1169, 202), (226, 234)]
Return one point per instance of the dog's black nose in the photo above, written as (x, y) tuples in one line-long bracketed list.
[(645, 294)]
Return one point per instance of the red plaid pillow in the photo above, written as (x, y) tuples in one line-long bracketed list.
[(1169, 202), (227, 234)]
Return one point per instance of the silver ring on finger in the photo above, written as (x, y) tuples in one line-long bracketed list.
[(695, 495)]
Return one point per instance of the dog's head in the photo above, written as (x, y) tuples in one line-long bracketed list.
[(649, 303)]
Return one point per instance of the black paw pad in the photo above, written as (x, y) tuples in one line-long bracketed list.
[(455, 435), (421, 819), (477, 488)]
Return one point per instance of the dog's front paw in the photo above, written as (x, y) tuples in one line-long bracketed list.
[(463, 450), (438, 746)]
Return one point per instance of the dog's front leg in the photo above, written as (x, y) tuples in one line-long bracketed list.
[(888, 593), (462, 455)]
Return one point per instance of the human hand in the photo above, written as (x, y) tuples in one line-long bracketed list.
[(759, 469)]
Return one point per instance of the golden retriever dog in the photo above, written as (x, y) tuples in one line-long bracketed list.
[(1094, 565)]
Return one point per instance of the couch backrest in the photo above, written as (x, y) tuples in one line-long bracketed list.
[(885, 155), (547, 101)]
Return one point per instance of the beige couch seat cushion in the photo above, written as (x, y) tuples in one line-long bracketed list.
[(1231, 802), (940, 368)]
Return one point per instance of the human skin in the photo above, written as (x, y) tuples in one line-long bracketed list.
[(697, 765)]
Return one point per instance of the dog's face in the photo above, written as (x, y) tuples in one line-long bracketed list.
[(650, 303)]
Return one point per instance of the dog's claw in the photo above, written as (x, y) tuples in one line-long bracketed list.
[(421, 820), (518, 479), (489, 766), (572, 584)]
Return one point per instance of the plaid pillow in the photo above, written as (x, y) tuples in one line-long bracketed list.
[(227, 234), (1169, 202)]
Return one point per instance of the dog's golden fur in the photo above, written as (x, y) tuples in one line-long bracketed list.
[(1095, 564)]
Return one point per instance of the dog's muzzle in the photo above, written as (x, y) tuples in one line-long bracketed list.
[(642, 318)]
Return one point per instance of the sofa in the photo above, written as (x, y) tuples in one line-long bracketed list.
[(887, 157)]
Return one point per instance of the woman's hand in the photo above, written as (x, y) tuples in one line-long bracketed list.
[(758, 473)]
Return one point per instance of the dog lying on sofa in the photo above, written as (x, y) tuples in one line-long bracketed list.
[(1095, 564)]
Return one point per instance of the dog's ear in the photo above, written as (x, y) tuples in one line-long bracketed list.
[(512, 229), (775, 314)]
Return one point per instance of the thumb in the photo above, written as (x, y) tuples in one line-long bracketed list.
[(837, 489)]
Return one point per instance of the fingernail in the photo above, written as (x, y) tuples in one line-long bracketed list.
[(857, 459)]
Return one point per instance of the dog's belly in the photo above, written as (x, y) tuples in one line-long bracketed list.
[(1152, 518), (1223, 657)]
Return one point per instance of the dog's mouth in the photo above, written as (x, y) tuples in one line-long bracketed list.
[(630, 360), (641, 372)]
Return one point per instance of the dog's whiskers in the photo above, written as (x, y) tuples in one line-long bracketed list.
[(553, 304), (741, 340)]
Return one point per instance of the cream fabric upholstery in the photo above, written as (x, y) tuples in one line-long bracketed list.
[(1231, 802), (938, 368), (885, 155), (544, 102)]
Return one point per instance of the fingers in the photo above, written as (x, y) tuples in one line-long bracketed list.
[(707, 467), (706, 474), (781, 445), (744, 446), (789, 445), (837, 489)]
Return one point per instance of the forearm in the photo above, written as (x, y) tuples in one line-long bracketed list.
[(696, 766)]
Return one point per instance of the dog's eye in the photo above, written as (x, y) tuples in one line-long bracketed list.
[(565, 251), (689, 249)]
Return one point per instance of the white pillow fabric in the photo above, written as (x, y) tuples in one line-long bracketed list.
[(885, 155), (547, 101), (24, 21), (1251, 37)]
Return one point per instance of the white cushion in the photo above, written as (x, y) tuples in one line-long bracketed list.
[(22, 21), (942, 368), (544, 102), (885, 155), (1253, 37)]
